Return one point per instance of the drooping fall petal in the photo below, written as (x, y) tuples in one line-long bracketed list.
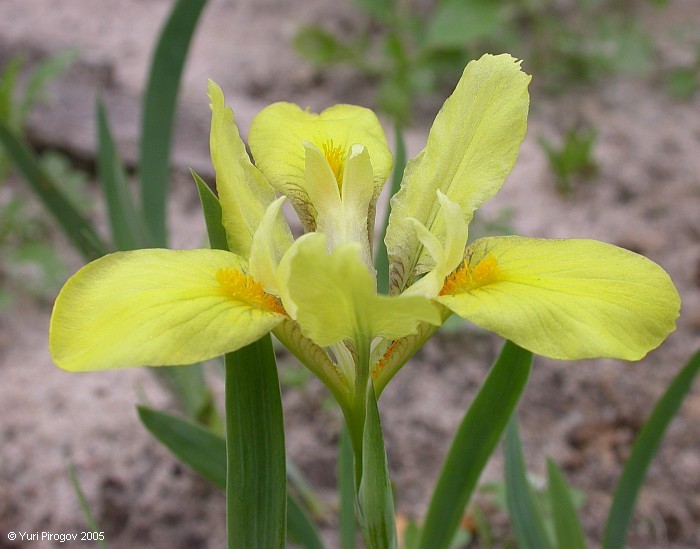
[(567, 299), (158, 307), (472, 147)]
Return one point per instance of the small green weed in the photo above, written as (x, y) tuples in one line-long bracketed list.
[(683, 82), (573, 160)]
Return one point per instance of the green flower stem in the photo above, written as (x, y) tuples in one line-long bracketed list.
[(346, 489), (359, 404), (256, 487), (373, 494)]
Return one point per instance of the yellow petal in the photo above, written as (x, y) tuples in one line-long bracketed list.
[(277, 136), (334, 298), (472, 146), (566, 299), (446, 255), (268, 247), (342, 214), (158, 307), (243, 191)]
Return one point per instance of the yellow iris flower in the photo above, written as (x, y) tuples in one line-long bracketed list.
[(565, 299)]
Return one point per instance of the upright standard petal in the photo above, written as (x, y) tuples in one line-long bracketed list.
[(567, 299), (243, 191), (158, 307), (334, 298), (277, 136), (342, 214), (472, 147)]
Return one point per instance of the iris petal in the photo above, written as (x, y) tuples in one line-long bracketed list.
[(158, 307), (334, 297), (567, 299), (472, 146), (277, 136), (243, 191)]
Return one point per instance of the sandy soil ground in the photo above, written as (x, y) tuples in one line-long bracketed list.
[(646, 197)]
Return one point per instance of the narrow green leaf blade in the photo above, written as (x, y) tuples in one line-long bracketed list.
[(301, 528), (566, 522), (205, 453), (85, 508), (300, 487), (346, 491), (381, 260), (212, 214), (127, 232), (474, 442), (159, 112), (40, 78), (189, 386), (8, 83), (75, 226), (192, 444), (256, 484), (375, 497), (526, 520), (643, 452)]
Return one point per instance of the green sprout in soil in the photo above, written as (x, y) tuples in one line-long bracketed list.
[(572, 161)]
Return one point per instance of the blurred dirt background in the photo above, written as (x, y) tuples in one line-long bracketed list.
[(645, 197)]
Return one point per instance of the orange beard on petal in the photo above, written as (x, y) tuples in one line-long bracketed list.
[(244, 288)]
